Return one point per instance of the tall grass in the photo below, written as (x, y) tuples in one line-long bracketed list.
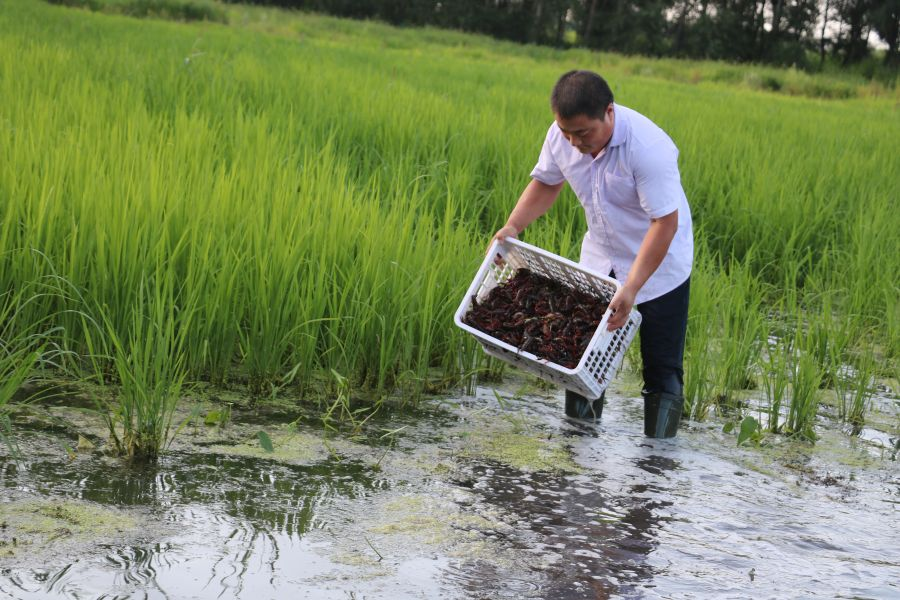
[(316, 195)]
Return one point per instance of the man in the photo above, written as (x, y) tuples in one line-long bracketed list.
[(624, 171)]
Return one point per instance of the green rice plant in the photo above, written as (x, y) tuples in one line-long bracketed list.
[(740, 327), (775, 363), (341, 412), (869, 252), (890, 293), (831, 339), (213, 278), (806, 376), (698, 361), (150, 362), (20, 350), (307, 227), (26, 346), (860, 392), (632, 360)]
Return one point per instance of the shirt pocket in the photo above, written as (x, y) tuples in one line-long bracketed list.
[(619, 190)]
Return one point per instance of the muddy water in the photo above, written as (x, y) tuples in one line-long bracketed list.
[(469, 499)]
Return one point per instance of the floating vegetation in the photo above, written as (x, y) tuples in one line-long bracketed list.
[(30, 527)]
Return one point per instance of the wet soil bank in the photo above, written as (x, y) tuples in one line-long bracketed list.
[(469, 499)]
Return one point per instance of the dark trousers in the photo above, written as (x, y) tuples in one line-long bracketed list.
[(662, 332)]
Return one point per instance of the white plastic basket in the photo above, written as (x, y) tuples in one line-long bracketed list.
[(604, 353)]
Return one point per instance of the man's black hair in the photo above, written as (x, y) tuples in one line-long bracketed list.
[(580, 93)]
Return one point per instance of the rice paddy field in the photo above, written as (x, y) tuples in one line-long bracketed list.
[(272, 209)]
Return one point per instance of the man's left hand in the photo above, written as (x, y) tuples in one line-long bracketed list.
[(621, 305)]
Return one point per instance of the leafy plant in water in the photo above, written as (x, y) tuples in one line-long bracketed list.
[(265, 441), (749, 430), (698, 363)]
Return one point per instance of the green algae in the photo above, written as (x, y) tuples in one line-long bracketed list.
[(434, 520), (37, 525), (526, 451), (289, 446), (834, 447), (421, 514), (517, 441), (399, 528), (832, 460), (424, 522)]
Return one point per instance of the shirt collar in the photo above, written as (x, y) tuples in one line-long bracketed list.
[(620, 130), (619, 127)]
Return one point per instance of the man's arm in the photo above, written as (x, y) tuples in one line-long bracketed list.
[(536, 200), (651, 253)]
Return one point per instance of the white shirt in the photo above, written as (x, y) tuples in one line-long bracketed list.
[(635, 178)]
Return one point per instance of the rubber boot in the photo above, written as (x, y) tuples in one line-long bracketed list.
[(662, 413), (579, 407)]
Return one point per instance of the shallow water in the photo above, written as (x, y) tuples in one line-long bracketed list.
[(470, 500)]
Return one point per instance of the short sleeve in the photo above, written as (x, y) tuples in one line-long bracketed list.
[(657, 180), (547, 170)]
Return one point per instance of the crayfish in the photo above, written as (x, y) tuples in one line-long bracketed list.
[(536, 314)]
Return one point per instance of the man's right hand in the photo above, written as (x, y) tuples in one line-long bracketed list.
[(505, 232)]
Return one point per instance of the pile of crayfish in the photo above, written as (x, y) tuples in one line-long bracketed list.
[(539, 315)]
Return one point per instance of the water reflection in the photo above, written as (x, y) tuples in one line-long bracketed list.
[(238, 518), (271, 496), (600, 537), (658, 465)]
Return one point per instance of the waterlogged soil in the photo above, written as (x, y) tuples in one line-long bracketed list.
[(463, 497), (539, 315)]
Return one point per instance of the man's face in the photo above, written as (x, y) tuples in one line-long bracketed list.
[(589, 135)]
